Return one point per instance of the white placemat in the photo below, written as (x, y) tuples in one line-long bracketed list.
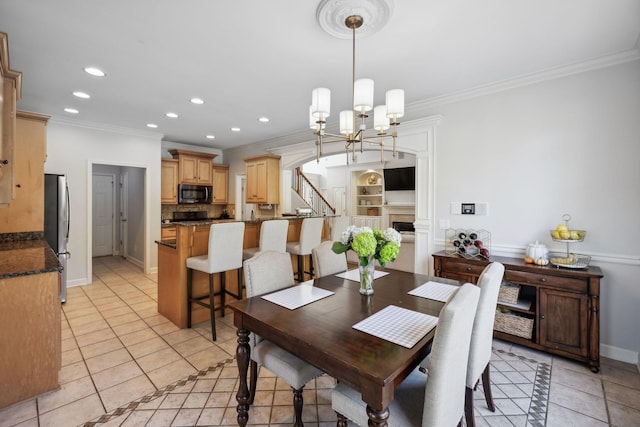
[(354, 274), (398, 325), (297, 296), (434, 290)]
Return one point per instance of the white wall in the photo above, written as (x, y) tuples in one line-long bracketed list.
[(569, 145), (72, 150)]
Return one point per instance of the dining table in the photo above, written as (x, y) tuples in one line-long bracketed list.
[(322, 334)]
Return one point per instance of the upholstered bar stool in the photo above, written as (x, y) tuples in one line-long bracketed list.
[(273, 237), (310, 236), (224, 253)]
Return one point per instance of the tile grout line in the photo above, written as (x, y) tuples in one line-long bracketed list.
[(131, 406)]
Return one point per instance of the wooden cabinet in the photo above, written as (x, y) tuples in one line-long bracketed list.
[(169, 182), (10, 89), (367, 221), (263, 179), (168, 232), (25, 213), (194, 167), (563, 304), (220, 184)]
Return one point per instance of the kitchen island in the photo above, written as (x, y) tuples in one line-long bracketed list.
[(192, 238), (30, 346)]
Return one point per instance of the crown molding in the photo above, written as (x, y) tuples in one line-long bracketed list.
[(105, 128), (529, 79)]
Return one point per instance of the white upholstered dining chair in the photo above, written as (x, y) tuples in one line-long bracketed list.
[(326, 262), (264, 273), (310, 237), (481, 339), (436, 400)]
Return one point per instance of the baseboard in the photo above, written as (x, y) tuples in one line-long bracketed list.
[(77, 282), (620, 354), (135, 261)]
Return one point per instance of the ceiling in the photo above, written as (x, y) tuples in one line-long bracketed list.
[(253, 58)]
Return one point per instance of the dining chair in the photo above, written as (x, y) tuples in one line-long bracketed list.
[(273, 237), (224, 253), (326, 262), (481, 339), (436, 400), (267, 272), (310, 237)]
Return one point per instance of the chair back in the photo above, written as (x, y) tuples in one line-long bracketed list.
[(445, 390), (273, 235), (339, 224), (326, 262), (267, 272), (310, 234), (482, 334), (225, 246)]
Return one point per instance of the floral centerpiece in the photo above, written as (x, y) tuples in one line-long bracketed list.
[(370, 244)]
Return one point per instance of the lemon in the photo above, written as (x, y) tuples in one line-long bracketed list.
[(574, 235), (555, 234), (565, 235), (561, 228)]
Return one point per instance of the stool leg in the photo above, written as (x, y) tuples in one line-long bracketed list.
[(189, 295), (240, 283), (212, 309), (300, 268), (223, 289)]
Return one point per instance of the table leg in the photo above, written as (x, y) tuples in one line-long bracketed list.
[(377, 418), (243, 352)]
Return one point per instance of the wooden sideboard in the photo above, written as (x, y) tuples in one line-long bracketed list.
[(563, 303)]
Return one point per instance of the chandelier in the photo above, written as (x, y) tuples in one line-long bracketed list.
[(385, 117)]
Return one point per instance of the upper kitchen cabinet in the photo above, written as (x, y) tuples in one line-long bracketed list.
[(220, 184), (25, 213), (263, 179), (10, 90), (194, 167), (169, 182)]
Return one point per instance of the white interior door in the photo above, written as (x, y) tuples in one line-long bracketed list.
[(103, 215)]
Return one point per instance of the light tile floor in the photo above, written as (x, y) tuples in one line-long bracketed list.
[(126, 365)]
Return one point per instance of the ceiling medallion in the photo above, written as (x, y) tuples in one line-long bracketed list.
[(331, 15)]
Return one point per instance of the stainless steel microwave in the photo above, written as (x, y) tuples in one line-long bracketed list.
[(188, 193)]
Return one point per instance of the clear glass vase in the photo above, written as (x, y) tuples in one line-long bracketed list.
[(366, 276)]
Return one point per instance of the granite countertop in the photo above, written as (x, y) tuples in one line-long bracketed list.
[(25, 257), (171, 243), (248, 221)]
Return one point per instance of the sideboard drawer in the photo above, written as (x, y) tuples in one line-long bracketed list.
[(457, 266), (565, 283)]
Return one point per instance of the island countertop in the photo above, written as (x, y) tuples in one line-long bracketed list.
[(25, 257)]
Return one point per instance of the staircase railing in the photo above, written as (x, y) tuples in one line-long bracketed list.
[(310, 194)]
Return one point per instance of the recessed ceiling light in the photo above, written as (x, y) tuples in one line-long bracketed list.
[(152, 125), (82, 95), (235, 129), (172, 115), (263, 119), (211, 137), (197, 101), (95, 71), (71, 110)]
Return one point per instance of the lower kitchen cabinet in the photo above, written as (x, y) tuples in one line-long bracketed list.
[(561, 306)]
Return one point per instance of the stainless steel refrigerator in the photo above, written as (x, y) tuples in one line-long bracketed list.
[(56, 222)]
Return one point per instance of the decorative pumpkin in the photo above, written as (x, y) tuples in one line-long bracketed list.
[(528, 260), (541, 261)]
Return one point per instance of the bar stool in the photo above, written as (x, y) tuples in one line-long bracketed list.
[(273, 237), (224, 253), (310, 236)]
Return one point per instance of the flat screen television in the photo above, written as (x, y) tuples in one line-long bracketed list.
[(400, 179)]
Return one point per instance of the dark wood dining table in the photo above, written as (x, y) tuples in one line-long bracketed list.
[(321, 334)]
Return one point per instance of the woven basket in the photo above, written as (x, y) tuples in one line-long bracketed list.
[(513, 324), (509, 293)]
